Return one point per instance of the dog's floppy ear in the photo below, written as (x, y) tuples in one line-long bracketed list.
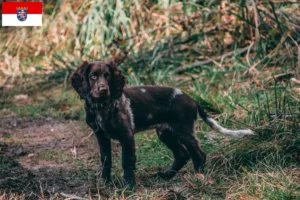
[(78, 80), (118, 80)]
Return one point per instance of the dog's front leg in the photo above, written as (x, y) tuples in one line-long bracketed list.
[(128, 156), (104, 144), (105, 151)]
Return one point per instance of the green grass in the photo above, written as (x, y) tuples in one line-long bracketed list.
[(269, 183), (260, 166), (55, 156), (263, 166)]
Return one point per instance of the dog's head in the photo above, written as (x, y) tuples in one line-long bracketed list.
[(102, 80)]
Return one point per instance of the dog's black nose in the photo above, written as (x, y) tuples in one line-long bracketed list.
[(102, 90)]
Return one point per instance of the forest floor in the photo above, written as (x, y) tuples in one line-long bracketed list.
[(49, 158), (46, 157)]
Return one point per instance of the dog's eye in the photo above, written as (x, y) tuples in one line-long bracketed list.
[(106, 75), (93, 77)]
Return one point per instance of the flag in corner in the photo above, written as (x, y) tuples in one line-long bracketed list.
[(22, 13)]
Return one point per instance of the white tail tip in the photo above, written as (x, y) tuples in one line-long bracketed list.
[(236, 133)]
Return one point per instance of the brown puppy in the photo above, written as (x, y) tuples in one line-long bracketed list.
[(117, 112)]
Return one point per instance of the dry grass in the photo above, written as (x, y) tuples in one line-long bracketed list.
[(241, 57), (268, 184), (184, 35)]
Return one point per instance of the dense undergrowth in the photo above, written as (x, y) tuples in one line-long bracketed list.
[(239, 59)]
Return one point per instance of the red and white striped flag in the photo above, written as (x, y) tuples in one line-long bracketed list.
[(22, 13)]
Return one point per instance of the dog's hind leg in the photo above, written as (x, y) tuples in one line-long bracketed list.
[(181, 155), (188, 139)]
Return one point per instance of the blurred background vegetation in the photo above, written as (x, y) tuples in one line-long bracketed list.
[(195, 45), (239, 59)]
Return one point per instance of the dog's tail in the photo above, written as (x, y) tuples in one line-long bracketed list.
[(214, 125)]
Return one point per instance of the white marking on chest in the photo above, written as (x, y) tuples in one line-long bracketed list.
[(176, 92), (99, 121), (129, 110), (143, 90), (150, 116)]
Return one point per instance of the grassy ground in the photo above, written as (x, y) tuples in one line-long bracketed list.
[(238, 59), (47, 152)]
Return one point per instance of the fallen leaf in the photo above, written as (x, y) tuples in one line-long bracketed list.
[(65, 107), (296, 90), (22, 100), (200, 177), (30, 155), (21, 97), (295, 80), (210, 181)]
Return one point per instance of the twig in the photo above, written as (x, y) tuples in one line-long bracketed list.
[(281, 77), (87, 137), (298, 67), (71, 196), (138, 6), (215, 62), (280, 1), (199, 63), (271, 54), (153, 30), (257, 35), (248, 52)]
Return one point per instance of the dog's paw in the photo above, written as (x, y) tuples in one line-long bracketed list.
[(127, 183), (129, 177), (104, 181), (130, 183), (165, 175)]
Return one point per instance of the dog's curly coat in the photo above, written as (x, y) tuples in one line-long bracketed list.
[(117, 112)]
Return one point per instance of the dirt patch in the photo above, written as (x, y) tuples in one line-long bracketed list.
[(45, 156)]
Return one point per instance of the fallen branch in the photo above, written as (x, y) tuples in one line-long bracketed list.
[(71, 196), (256, 20), (199, 63), (281, 77), (271, 54), (284, 116)]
